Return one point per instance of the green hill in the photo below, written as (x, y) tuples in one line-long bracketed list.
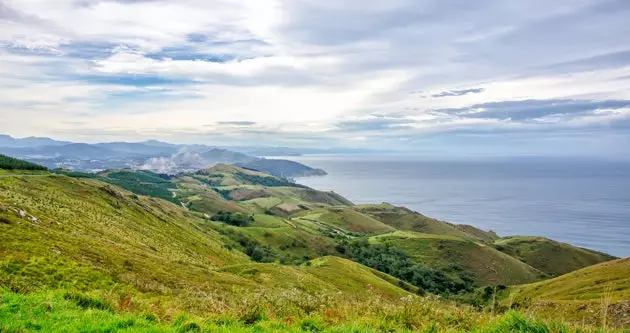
[(402, 218), (54, 229), (595, 295), (551, 257), (457, 255), (10, 163), (343, 220), (590, 283)]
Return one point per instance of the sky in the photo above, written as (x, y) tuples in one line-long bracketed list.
[(424, 76)]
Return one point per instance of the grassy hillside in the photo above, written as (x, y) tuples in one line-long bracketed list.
[(52, 224), (343, 220), (549, 256), (597, 295), (238, 189), (454, 254), (611, 279), (404, 219)]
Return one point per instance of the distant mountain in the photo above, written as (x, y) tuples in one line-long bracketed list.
[(155, 143), (9, 141), (282, 168), (217, 156), (73, 150), (138, 148), (274, 151), (150, 155)]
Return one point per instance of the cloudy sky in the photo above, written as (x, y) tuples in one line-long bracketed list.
[(480, 77)]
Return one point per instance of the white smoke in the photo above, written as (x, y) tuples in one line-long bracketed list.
[(185, 159)]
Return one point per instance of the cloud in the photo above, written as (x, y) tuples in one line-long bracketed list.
[(312, 71), (374, 123), (236, 123), (459, 92), (526, 110)]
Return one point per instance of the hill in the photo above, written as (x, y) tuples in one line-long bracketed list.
[(282, 168), (10, 163), (342, 220), (402, 218), (551, 257), (458, 256), (52, 223), (597, 295)]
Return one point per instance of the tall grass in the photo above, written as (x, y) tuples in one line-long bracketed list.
[(291, 311)]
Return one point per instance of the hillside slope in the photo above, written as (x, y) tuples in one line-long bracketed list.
[(402, 218), (51, 224), (486, 265), (596, 295), (549, 256)]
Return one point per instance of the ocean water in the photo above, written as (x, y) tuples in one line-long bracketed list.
[(581, 202)]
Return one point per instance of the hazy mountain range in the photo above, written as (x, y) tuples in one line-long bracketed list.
[(149, 155)]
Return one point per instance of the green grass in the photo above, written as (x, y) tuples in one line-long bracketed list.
[(589, 283), (54, 311), (549, 256), (580, 296)]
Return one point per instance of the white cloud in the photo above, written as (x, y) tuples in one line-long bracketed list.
[(300, 67)]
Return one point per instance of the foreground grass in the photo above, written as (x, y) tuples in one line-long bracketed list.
[(59, 311)]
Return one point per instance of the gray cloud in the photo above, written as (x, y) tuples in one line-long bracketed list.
[(236, 123), (374, 124), (459, 92), (532, 109)]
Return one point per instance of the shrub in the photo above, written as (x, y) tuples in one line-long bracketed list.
[(235, 219)]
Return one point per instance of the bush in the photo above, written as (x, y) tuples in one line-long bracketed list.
[(235, 219)]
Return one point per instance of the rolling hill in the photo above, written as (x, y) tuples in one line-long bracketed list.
[(597, 295), (457, 255), (551, 257), (402, 218)]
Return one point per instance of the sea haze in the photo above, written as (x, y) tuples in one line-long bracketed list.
[(584, 203)]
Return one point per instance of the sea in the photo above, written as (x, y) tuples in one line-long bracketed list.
[(578, 201)]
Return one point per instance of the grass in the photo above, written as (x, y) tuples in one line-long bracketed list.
[(589, 283), (54, 311), (597, 295), (549, 256)]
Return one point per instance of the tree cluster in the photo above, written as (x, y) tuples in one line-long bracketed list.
[(393, 261), (10, 163), (235, 219)]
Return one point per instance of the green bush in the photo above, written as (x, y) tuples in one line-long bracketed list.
[(235, 219)]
